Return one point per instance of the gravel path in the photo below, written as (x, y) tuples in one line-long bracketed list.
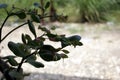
[(97, 59)]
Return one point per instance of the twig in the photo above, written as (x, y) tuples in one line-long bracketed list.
[(12, 31), (2, 27), (23, 59)]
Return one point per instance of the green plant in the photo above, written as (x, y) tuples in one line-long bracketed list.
[(30, 47)]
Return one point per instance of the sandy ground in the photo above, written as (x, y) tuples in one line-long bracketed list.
[(97, 59)]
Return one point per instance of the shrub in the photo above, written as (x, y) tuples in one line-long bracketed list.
[(30, 48)]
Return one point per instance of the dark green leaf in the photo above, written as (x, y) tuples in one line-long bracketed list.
[(76, 43), (35, 18), (65, 51), (48, 47), (28, 38), (44, 29), (54, 37), (35, 45), (49, 54), (25, 48), (74, 38), (65, 43), (21, 14), (56, 57), (39, 39), (36, 64), (12, 61), (32, 28), (79, 43), (63, 56), (33, 58), (7, 57), (47, 5), (46, 55), (3, 6), (15, 49), (58, 49), (23, 39)]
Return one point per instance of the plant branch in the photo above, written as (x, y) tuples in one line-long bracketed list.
[(12, 31), (2, 27), (15, 28), (23, 59)]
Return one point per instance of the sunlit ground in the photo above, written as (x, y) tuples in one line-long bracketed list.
[(97, 59)]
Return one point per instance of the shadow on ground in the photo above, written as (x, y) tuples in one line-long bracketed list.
[(46, 76)]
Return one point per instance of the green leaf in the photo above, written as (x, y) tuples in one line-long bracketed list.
[(23, 39), (3, 6), (49, 54), (21, 14), (56, 57), (74, 38), (76, 43), (19, 75), (47, 5), (32, 28), (48, 47), (36, 64), (65, 43), (28, 38), (63, 56), (65, 51), (9, 56), (25, 48), (35, 18), (44, 29), (15, 49), (79, 43), (46, 55), (12, 61), (33, 58), (54, 37), (35, 44)]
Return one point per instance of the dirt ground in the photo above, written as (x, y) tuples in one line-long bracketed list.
[(97, 59)]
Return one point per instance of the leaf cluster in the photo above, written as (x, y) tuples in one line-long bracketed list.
[(31, 48)]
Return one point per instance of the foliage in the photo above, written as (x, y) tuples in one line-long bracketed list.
[(30, 47)]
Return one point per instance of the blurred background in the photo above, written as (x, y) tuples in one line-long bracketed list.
[(77, 10), (96, 21)]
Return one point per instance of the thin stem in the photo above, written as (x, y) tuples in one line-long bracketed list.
[(20, 64), (2, 27), (12, 31), (23, 59), (17, 28)]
